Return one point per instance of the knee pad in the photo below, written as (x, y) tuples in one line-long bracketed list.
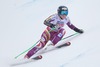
[(62, 33)]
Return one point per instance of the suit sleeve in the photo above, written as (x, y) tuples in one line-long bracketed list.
[(71, 26), (50, 21)]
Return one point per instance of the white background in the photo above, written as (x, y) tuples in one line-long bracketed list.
[(21, 25)]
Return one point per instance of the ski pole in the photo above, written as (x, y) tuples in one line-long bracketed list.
[(26, 50), (70, 36), (37, 42), (67, 37), (30, 47)]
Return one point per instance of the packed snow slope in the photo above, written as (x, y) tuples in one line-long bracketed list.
[(21, 25)]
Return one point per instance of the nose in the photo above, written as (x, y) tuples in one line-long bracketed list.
[(64, 16)]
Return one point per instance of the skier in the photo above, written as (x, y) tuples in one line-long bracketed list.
[(54, 31)]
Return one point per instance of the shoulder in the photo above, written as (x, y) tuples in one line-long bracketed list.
[(52, 17), (67, 19)]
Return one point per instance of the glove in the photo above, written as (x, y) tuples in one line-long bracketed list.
[(78, 30), (52, 26)]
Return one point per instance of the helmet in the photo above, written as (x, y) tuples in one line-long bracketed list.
[(62, 10)]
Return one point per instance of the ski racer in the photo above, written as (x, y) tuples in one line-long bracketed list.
[(54, 31)]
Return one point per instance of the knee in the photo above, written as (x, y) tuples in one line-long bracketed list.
[(40, 45), (61, 33), (64, 32)]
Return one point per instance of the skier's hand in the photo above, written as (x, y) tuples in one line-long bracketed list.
[(81, 31), (52, 26), (78, 30)]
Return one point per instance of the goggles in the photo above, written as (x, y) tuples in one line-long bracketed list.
[(64, 13)]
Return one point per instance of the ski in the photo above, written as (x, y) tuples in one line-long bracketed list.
[(39, 56), (63, 45), (57, 47)]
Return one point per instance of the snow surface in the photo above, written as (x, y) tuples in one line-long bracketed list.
[(21, 25)]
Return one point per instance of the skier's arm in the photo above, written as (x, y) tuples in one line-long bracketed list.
[(50, 21), (47, 23), (74, 28)]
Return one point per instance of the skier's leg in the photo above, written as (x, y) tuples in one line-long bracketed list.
[(57, 36), (44, 39)]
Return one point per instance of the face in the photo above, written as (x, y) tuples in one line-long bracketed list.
[(63, 16)]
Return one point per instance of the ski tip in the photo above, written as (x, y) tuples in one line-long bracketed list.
[(68, 43), (37, 57), (40, 56)]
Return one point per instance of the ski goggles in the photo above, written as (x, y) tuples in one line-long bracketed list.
[(64, 13)]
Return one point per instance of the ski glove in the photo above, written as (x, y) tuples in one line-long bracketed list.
[(52, 26), (78, 30)]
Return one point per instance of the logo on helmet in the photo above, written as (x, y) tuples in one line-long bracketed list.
[(64, 9)]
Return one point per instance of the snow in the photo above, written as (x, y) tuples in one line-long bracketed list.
[(21, 25)]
